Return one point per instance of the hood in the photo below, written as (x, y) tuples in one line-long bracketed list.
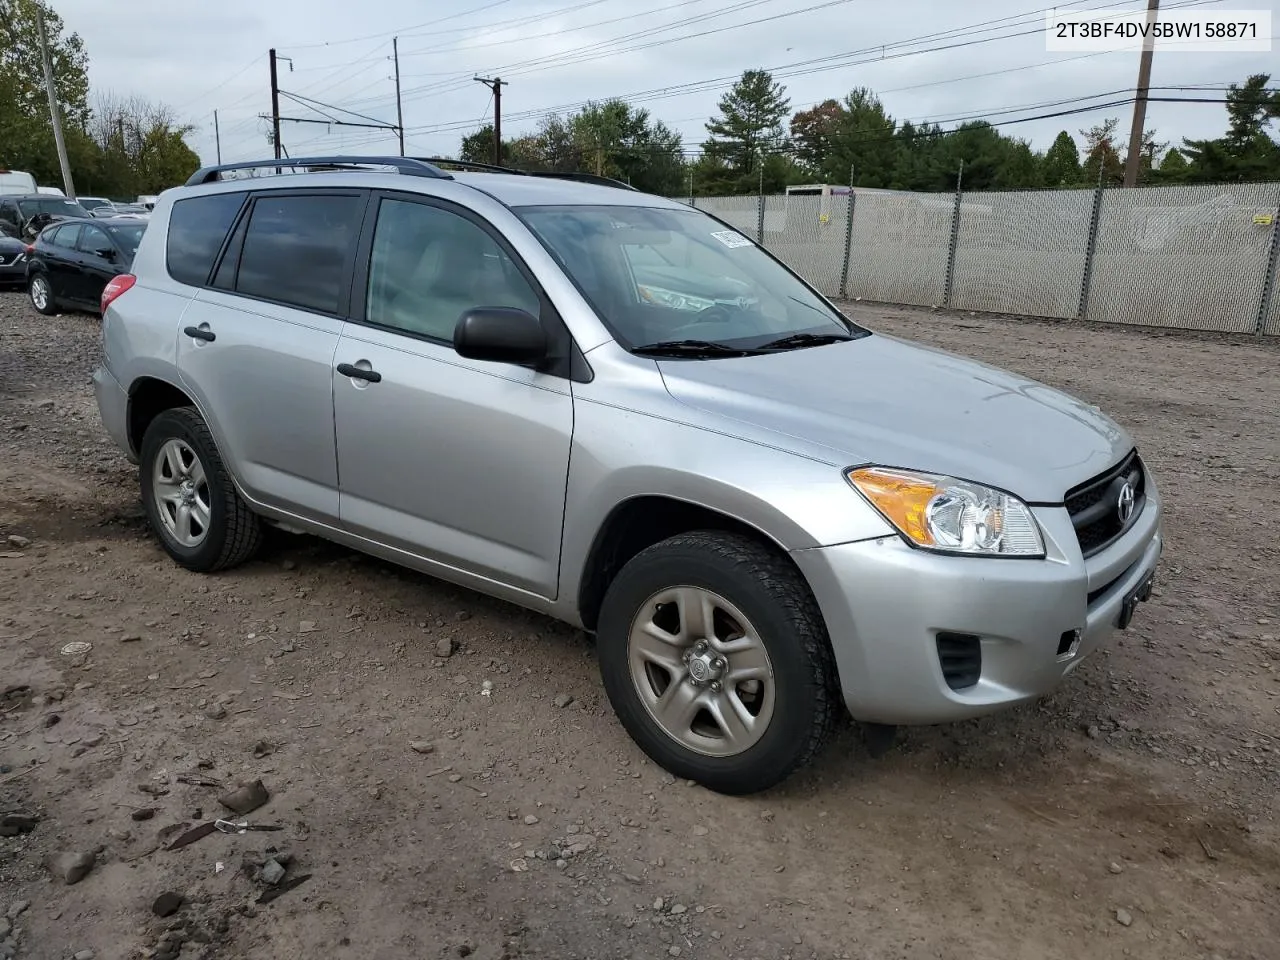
[(885, 401)]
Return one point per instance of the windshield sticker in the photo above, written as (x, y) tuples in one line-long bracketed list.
[(731, 238)]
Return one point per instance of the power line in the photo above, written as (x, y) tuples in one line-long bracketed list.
[(402, 32), (599, 50), (792, 70)]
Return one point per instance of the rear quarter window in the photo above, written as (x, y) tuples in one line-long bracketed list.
[(197, 228)]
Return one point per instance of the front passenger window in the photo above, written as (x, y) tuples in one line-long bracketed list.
[(429, 266)]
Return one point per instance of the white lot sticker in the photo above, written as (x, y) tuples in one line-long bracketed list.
[(731, 238)]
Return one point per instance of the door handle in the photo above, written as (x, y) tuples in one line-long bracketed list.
[(198, 333), (356, 373)]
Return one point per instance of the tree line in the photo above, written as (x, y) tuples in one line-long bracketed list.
[(756, 142), (119, 147)]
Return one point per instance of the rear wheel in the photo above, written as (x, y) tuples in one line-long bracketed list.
[(193, 506), (41, 293), (716, 659)]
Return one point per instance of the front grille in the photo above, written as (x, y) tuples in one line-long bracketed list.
[(960, 656), (1094, 506)]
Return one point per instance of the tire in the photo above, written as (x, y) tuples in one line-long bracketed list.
[(180, 466), (792, 707), (40, 291)]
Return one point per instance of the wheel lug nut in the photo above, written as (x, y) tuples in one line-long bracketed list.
[(715, 685), (718, 663)]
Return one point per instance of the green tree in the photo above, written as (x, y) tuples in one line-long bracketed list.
[(864, 144), (624, 142), (27, 142), (749, 124), (1247, 152), (1061, 167), (1173, 168)]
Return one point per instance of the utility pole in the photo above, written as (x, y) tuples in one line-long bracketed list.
[(217, 137), (275, 105), (496, 86), (395, 53), (120, 131), (54, 113), (1133, 162)]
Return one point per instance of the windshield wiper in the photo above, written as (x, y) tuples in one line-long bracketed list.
[(804, 340), (691, 348)]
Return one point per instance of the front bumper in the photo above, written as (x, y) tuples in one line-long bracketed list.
[(885, 603), (113, 408)]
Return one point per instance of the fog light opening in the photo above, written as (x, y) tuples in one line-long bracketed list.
[(1069, 643)]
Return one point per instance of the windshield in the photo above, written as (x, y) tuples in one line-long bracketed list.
[(678, 277), (92, 203), (53, 206), (127, 236)]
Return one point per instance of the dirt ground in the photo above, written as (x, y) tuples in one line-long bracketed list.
[(1133, 814)]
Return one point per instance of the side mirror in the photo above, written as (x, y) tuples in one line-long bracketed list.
[(502, 335)]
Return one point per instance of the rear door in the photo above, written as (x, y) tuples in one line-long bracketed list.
[(62, 262), (256, 348), (99, 262)]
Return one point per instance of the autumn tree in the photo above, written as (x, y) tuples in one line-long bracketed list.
[(1101, 160)]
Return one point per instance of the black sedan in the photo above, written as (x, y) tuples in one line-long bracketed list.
[(13, 262), (73, 260)]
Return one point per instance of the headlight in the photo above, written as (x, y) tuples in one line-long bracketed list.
[(674, 300), (949, 515)]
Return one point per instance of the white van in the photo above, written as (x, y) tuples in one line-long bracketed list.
[(50, 191), (16, 182)]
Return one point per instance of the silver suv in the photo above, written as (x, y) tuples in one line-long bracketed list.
[(618, 411)]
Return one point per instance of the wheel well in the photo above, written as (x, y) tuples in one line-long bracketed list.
[(147, 400), (637, 524)]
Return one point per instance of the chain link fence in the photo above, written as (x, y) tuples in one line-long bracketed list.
[(1201, 257)]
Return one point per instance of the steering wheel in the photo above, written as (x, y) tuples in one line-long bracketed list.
[(716, 313)]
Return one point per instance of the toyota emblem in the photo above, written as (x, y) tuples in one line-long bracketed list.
[(1125, 503)]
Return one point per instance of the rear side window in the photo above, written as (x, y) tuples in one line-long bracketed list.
[(67, 236), (298, 250), (197, 227)]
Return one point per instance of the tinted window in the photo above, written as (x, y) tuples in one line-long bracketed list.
[(128, 236), (67, 236), (52, 206), (197, 227), (429, 266), (297, 250), (94, 241)]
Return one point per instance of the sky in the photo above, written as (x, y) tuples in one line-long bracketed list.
[(677, 57)]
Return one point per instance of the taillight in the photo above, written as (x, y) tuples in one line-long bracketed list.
[(114, 288), (31, 248)]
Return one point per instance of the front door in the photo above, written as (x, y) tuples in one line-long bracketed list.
[(462, 462), (99, 261)]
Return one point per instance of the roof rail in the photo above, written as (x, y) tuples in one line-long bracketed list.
[(403, 165), (553, 174)]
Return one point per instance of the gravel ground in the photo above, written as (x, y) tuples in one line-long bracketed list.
[(1132, 814)]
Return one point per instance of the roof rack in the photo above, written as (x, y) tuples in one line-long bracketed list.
[(408, 166), (555, 175)]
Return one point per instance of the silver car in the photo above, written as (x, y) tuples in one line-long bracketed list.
[(618, 411)]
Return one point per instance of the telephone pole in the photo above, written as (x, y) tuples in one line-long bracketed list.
[(275, 104), (495, 85), (54, 113), (395, 53), (1133, 162), (217, 137)]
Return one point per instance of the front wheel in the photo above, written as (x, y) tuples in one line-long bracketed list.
[(41, 293), (716, 659), (192, 505)]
